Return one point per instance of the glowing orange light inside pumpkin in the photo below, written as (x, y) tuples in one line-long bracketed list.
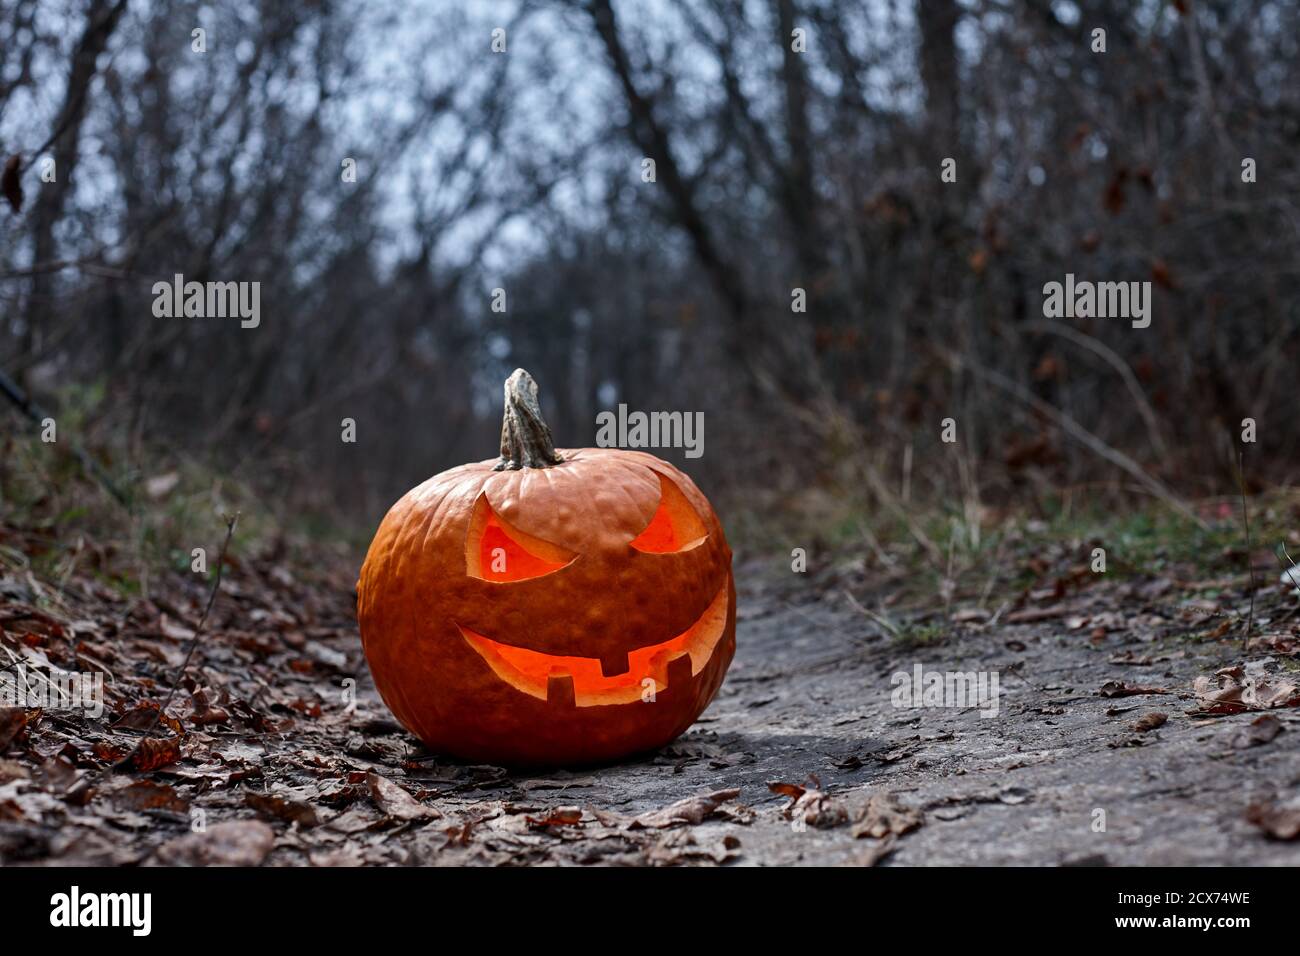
[(499, 552), (502, 558), (659, 535), (675, 525), (531, 671)]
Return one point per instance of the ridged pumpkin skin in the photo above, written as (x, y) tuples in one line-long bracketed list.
[(444, 639)]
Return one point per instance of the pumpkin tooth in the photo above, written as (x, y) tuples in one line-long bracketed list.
[(614, 664), (679, 670), (559, 688)]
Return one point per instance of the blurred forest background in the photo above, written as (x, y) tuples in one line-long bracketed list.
[(775, 169)]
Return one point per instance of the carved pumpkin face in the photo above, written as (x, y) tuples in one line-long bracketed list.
[(570, 613)]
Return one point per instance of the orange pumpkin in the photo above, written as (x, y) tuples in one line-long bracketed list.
[(548, 607)]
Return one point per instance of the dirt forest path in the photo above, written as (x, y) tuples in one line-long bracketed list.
[(276, 749), (1026, 786)]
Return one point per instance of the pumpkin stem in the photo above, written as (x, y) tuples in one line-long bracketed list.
[(525, 438)]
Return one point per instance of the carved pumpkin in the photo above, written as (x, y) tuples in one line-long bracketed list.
[(548, 607)]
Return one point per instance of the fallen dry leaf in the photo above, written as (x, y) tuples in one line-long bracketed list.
[(1135, 660), (206, 710), (1265, 693), (882, 816), (559, 817), (1279, 822), (147, 795), (152, 753), (877, 851), (1034, 614), (395, 802), (1232, 690), (811, 804), (145, 718), (1149, 722), (233, 843), (13, 721), (1259, 731), (1280, 644), (280, 808), (691, 810), (678, 847), (1116, 688)]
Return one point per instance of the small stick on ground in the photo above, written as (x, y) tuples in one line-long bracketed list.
[(1294, 570), (1250, 565), (886, 625), (1290, 575), (890, 501), (231, 521), (948, 584)]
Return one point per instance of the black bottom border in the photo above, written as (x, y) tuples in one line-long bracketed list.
[(295, 907)]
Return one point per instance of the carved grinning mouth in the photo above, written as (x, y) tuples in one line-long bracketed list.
[(580, 681)]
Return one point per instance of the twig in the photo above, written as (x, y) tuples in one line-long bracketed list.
[(1290, 575), (1014, 671), (231, 521), (993, 575), (948, 585), (1293, 572), (890, 501), (874, 543), (997, 615), (882, 622), (1082, 435), (1122, 367), (1250, 565), (88, 265)]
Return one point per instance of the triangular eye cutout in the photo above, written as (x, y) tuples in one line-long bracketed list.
[(675, 525), (494, 551)]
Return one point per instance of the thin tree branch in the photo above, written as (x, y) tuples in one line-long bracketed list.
[(1080, 434), (231, 522)]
